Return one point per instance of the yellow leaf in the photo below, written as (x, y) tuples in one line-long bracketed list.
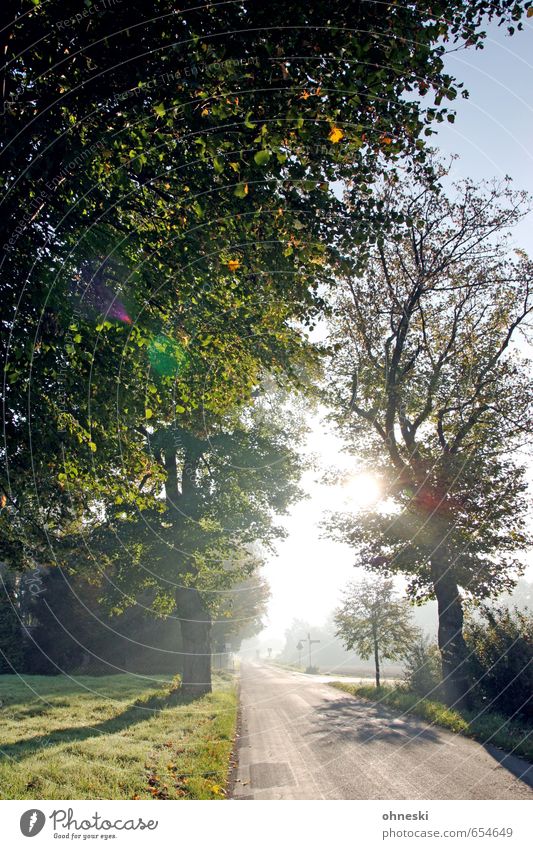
[(148, 413), (335, 135), (233, 264), (92, 446)]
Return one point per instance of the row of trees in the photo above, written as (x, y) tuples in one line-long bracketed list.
[(170, 233)]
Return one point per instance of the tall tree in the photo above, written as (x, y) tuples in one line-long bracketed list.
[(374, 621), (433, 390)]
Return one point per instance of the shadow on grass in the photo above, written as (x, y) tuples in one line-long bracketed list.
[(138, 712), (19, 690)]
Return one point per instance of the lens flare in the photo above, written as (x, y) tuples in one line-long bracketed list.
[(167, 357)]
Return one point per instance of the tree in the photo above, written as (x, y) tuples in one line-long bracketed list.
[(434, 393), (375, 622)]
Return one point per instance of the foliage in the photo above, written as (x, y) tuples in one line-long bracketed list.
[(56, 729), (423, 668), (501, 646), (494, 728)]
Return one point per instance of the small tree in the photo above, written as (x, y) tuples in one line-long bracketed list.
[(373, 620)]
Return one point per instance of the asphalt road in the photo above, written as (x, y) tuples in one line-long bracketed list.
[(302, 739)]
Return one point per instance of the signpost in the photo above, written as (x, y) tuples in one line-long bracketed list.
[(310, 643)]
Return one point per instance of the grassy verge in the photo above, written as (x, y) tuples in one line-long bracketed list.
[(512, 736), (113, 737)]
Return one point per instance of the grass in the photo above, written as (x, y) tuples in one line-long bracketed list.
[(509, 735), (113, 737)]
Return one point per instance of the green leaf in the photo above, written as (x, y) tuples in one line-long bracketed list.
[(262, 157), (160, 110)]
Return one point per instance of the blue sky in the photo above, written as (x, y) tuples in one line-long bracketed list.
[(493, 130)]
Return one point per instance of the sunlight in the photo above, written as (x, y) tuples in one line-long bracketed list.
[(362, 490)]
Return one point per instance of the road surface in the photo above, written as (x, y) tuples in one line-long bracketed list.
[(303, 739)]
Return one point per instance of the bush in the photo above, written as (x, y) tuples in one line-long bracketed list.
[(502, 660), (312, 670), (422, 668)]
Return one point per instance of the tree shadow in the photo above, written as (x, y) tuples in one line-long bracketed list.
[(138, 712), (365, 723), (21, 690), (516, 766)]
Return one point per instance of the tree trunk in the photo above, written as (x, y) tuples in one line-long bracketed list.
[(195, 623), (453, 649), (376, 660)]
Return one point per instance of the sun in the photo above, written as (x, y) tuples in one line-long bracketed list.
[(362, 490)]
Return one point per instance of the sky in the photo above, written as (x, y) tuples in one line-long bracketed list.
[(492, 135)]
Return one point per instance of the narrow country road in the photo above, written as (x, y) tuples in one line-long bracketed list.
[(302, 739)]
